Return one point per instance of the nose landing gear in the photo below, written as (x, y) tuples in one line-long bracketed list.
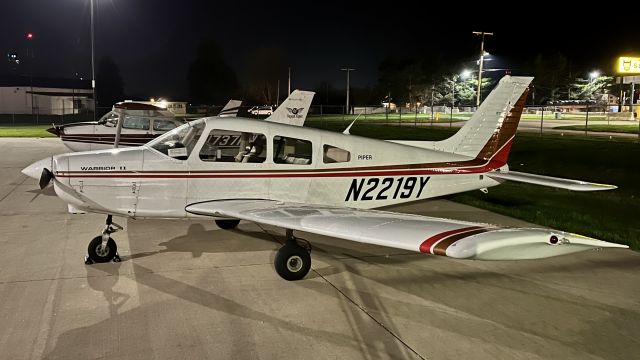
[(103, 248)]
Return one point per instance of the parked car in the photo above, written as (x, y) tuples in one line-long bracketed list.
[(261, 110)]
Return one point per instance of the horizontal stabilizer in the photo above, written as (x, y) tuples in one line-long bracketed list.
[(574, 185)]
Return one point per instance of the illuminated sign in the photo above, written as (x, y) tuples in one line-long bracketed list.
[(629, 65)]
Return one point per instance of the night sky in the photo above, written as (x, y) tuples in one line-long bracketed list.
[(153, 41)]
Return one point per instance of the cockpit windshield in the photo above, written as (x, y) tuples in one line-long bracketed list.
[(179, 142), (110, 119)]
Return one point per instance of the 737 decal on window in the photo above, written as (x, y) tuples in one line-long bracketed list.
[(386, 188)]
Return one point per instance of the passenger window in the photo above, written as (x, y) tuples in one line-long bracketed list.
[(135, 122), (163, 125), (234, 146), (332, 154), (288, 150)]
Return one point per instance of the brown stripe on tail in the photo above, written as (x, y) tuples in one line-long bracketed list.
[(499, 144)]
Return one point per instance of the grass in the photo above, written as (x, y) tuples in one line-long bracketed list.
[(629, 129), (607, 215), (25, 131)]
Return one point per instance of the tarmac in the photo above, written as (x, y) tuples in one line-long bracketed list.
[(188, 290)]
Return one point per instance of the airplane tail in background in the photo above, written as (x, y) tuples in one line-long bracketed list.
[(294, 109), (231, 109), (490, 131)]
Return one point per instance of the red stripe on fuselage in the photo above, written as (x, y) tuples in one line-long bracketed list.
[(473, 166)]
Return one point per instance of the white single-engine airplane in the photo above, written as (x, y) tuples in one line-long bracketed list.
[(315, 181)]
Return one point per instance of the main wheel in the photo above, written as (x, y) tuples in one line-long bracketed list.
[(292, 261), (227, 224), (102, 253)]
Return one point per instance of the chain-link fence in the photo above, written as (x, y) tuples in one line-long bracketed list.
[(548, 119)]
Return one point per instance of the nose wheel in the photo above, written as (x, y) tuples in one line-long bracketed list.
[(293, 261), (103, 248)]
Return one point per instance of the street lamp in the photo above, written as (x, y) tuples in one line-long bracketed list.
[(348, 85), (594, 75), (481, 33)]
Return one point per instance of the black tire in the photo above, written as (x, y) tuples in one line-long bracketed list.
[(292, 261), (99, 255), (227, 224)]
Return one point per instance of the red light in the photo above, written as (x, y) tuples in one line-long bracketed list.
[(29, 36)]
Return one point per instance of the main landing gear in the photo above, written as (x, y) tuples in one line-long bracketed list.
[(293, 261), (103, 248)]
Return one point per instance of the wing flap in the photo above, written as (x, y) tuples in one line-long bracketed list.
[(574, 185), (437, 236)]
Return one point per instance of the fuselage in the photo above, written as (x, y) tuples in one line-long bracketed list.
[(250, 159)]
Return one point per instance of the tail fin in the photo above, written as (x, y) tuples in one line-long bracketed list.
[(490, 131), (231, 109), (294, 109)]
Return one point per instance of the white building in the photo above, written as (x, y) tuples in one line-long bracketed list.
[(44, 96)]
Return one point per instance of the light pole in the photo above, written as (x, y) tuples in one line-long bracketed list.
[(30, 58), (93, 68), (481, 33), (289, 83), (348, 85)]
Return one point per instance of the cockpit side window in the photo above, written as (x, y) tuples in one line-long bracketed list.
[(294, 151), (179, 142), (136, 122), (332, 154), (234, 146)]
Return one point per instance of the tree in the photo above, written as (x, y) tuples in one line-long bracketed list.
[(211, 80), (110, 86), (465, 90), (584, 89)]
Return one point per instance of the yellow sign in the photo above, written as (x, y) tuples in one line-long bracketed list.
[(629, 65)]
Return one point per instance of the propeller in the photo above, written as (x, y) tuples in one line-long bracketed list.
[(45, 178)]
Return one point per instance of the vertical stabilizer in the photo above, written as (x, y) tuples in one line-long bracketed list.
[(492, 127), (293, 111), (231, 109)]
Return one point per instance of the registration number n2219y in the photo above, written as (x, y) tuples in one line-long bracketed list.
[(386, 188)]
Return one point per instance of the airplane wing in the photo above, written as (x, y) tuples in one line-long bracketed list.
[(575, 185), (294, 109), (457, 239), (231, 109)]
